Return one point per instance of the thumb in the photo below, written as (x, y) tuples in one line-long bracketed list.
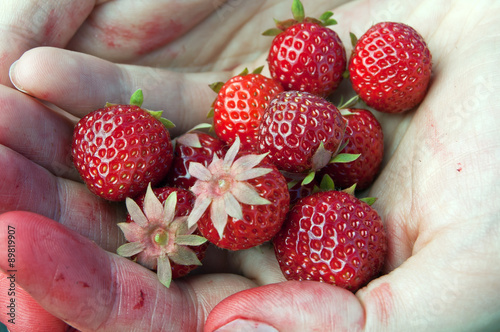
[(289, 306)]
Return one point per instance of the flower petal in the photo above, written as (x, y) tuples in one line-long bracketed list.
[(184, 256), (246, 163), (136, 213), (164, 271), (231, 154), (200, 206), (199, 171), (233, 207), (190, 139), (190, 240), (246, 194), (169, 208), (130, 249), (218, 215), (153, 209), (253, 173), (132, 231)]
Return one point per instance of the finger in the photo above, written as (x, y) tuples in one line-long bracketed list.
[(288, 306), (28, 24), (92, 289), (29, 187), (21, 312), (258, 264), (125, 30), (81, 83), (24, 121)]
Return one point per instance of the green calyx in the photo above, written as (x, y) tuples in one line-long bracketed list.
[(298, 10), (298, 14), (137, 99), (350, 103)]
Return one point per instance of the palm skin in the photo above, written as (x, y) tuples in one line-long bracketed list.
[(434, 192)]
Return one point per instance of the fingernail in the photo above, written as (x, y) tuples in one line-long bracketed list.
[(243, 325), (12, 78)]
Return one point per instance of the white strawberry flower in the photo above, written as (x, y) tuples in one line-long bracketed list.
[(156, 236), (223, 186)]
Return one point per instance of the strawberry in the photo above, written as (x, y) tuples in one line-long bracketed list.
[(119, 149), (363, 136), (390, 67), (157, 233), (305, 54), (332, 237), (240, 103), (300, 131), (194, 146), (241, 200)]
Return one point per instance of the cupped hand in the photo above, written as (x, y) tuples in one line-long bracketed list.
[(434, 192)]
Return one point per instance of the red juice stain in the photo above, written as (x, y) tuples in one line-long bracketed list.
[(140, 304), (83, 284)]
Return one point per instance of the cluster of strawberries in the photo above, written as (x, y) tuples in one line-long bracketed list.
[(282, 164)]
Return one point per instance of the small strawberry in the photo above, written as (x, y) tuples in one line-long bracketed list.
[(158, 236), (332, 237), (363, 136), (305, 54), (119, 149), (390, 67), (194, 146), (240, 103), (241, 200), (300, 131)]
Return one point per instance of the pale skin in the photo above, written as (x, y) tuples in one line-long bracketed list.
[(436, 193)]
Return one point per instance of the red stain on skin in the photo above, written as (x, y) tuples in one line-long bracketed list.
[(154, 34), (140, 304), (383, 302), (140, 38), (49, 28), (83, 284), (60, 277), (459, 169)]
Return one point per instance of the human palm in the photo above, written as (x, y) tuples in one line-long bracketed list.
[(434, 192)]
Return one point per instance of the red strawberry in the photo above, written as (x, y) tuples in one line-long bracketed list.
[(332, 237), (119, 149), (390, 67), (364, 136), (239, 106), (158, 236), (241, 200), (300, 131), (194, 146), (305, 55)]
